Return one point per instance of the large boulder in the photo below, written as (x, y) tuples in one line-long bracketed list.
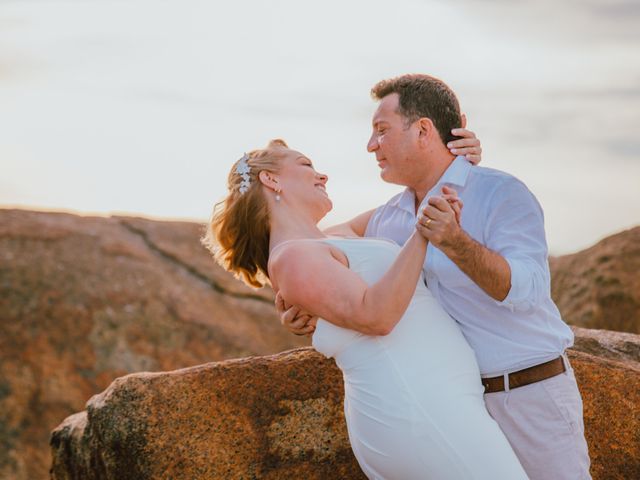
[(84, 300), (281, 417), (600, 287), (87, 299)]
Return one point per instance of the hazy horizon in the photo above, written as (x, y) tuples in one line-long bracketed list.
[(141, 107)]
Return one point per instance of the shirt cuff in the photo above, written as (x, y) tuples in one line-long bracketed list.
[(519, 291)]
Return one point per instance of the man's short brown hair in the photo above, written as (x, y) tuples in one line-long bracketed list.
[(423, 96)]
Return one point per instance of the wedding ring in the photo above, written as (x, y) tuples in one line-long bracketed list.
[(426, 224)]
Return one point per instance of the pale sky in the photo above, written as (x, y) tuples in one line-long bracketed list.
[(140, 107)]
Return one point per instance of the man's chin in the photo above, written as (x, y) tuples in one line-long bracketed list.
[(389, 178)]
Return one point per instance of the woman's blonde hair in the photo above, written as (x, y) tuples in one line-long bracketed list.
[(238, 232)]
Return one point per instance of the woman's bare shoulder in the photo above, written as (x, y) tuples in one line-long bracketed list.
[(295, 251), (297, 259)]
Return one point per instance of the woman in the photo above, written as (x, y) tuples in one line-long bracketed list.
[(413, 397)]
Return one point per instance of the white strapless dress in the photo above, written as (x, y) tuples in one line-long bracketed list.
[(413, 399)]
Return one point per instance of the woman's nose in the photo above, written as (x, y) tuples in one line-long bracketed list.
[(323, 178)]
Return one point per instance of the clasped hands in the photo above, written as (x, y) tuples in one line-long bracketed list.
[(439, 220)]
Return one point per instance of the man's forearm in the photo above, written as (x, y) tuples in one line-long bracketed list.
[(488, 269)]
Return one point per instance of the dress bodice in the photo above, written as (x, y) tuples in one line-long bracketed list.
[(370, 258)]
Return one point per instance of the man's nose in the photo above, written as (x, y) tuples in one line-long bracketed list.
[(372, 146)]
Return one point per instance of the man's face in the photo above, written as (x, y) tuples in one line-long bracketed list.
[(394, 144)]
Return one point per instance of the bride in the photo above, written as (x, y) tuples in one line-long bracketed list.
[(413, 398)]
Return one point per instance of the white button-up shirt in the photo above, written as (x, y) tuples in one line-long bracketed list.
[(502, 214)]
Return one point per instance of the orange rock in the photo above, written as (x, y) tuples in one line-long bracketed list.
[(600, 287), (262, 417), (611, 398), (84, 300), (281, 417)]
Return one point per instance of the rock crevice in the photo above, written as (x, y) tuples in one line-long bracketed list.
[(178, 262)]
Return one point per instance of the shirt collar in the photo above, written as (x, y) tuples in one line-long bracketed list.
[(455, 174), (406, 201)]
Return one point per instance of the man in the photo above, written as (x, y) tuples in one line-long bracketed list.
[(490, 272)]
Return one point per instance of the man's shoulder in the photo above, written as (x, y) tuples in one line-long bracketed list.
[(487, 173), (494, 187), (395, 200), (492, 178)]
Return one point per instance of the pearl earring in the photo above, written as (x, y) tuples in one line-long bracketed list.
[(278, 195)]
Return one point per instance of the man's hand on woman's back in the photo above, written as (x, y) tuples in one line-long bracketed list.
[(293, 319)]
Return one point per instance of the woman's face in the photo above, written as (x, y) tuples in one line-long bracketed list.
[(302, 187)]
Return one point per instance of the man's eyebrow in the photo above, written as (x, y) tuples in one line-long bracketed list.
[(378, 122)]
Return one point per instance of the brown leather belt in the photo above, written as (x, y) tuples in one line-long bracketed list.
[(526, 376)]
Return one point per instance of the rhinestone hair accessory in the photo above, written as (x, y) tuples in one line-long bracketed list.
[(243, 170)]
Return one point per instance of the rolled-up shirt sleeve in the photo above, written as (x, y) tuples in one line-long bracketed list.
[(515, 230)]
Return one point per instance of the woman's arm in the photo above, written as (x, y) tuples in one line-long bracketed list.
[(310, 276), (353, 228)]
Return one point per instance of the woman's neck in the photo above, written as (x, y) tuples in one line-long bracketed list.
[(291, 225)]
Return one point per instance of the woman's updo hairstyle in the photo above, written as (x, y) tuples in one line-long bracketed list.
[(238, 232)]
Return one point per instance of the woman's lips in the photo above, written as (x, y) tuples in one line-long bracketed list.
[(323, 189)]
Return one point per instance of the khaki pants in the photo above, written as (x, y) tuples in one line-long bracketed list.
[(543, 423)]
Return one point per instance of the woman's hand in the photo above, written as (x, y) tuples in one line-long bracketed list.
[(451, 196), (469, 145)]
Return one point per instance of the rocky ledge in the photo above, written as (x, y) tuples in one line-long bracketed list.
[(600, 287), (280, 417)]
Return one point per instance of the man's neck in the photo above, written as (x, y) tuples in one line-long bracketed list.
[(438, 166)]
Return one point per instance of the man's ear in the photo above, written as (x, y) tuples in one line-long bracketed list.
[(463, 120), (426, 129), (268, 179)]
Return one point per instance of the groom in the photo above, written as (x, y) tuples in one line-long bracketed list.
[(490, 272)]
